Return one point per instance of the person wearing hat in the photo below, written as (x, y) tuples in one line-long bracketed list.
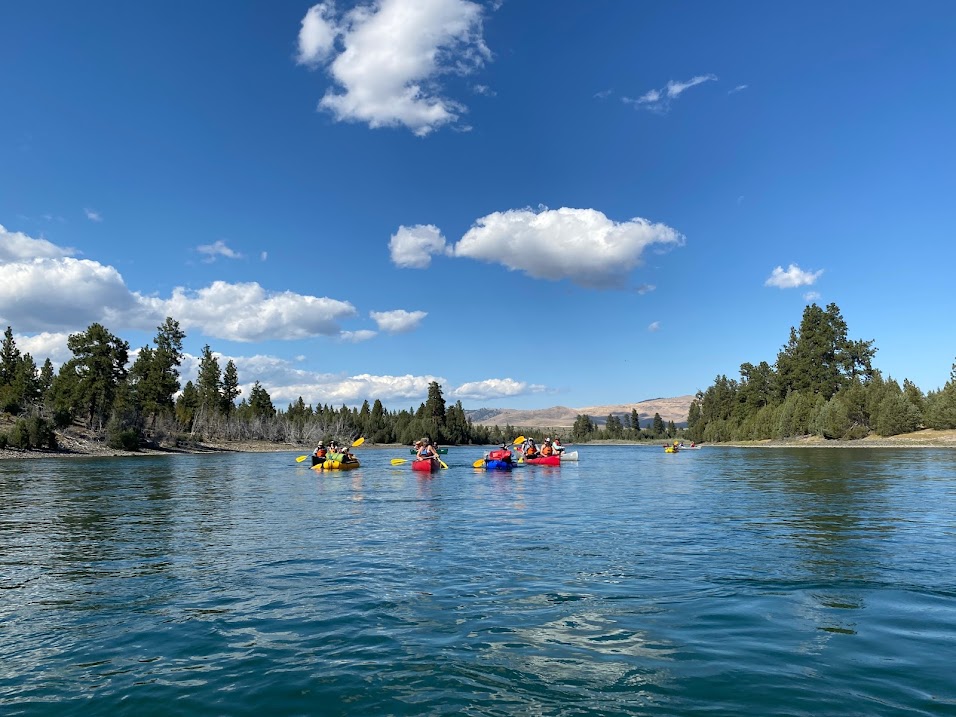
[(530, 449), (547, 449), (319, 454)]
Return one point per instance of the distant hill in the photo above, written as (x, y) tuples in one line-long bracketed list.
[(670, 409)]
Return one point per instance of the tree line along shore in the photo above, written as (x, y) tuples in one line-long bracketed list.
[(823, 389)]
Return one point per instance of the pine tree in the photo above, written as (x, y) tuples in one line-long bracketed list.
[(88, 382), (230, 388), (209, 382)]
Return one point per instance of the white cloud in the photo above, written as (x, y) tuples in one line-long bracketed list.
[(393, 54), (263, 256), (398, 321), (581, 245), (63, 295), (413, 247), (45, 345), (317, 34), (16, 246), (247, 312), (494, 388), (654, 326), (357, 337), (93, 215), (811, 296), (738, 88), (645, 289), (217, 249), (45, 290), (793, 277), (675, 89), (659, 100), (285, 382)]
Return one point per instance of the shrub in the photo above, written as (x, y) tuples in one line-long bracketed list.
[(124, 440)]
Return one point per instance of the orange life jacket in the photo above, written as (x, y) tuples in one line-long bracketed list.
[(547, 450), (320, 452)]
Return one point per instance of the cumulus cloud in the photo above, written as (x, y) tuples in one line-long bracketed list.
[(285, 382), (393, 53), (93, 215), (317, 34), (45, 345), (494, 388), (582, 245), (398, 321), (792, 278), (217, 249), (811, 296), (17, 246), (659, 100), (64, 294), (247, 312), (44, 289), (413, 247)]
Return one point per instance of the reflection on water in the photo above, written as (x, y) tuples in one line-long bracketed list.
[(721, 580)]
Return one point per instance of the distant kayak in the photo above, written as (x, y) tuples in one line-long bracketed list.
[(442, 451)]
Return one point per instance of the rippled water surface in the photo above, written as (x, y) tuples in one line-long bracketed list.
[(721, 581)]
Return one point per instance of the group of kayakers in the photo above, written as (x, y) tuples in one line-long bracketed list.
[(322, 452), (549, 448)]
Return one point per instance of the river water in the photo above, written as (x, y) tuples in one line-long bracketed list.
[(722, 581)]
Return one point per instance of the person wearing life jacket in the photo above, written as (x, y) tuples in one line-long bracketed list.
[(426, 452), (530, 449), (548, 448), (319, 454)]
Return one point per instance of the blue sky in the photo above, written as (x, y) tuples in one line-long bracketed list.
[(532, 203)]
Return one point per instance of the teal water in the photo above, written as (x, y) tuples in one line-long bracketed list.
[(720, 582)]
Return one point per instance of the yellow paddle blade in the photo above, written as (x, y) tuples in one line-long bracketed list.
[(480, 463), (399, 461), (521, 459), (516, 441), (442, 463), (300, 459), (358, 442)]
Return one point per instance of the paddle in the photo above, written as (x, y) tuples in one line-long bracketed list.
[(517, 441), (355, 444), (399, 461), (480, 463)]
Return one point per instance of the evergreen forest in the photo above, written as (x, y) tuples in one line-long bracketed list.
[(822, 384), (130, 406)]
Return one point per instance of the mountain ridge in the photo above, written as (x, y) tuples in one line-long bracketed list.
[(670, 409)]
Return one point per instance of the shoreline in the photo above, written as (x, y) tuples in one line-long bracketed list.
[(77, 447)]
